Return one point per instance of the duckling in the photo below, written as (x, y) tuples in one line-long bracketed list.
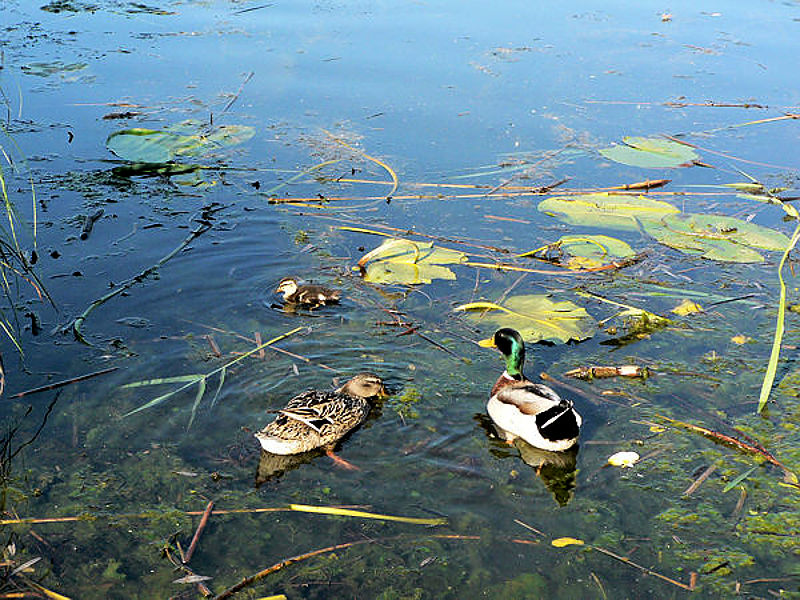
[(521, 408), (319, 419), (308, 294)]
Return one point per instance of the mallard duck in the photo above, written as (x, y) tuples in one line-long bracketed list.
[(531, 411), (307, 294), (319, 419)]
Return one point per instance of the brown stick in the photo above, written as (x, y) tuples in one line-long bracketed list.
[(285, 563), (200, 527), (214, 347), (257, 336), (699, 481), (613, 371), (58, 384)]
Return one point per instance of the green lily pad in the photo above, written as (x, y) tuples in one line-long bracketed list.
[(406, 262), (537, 317), (716, 237), (185, 139), (653, 152), (614, 211), (584, 251)]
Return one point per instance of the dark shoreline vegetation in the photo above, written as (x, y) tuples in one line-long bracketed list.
[(639, 233)]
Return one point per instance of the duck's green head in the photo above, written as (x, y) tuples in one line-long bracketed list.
[(511, 345)]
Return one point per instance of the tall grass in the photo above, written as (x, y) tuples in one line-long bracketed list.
[(17, 278)]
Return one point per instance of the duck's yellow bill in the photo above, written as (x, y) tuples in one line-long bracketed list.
[(487, 343)]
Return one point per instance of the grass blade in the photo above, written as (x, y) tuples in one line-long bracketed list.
[(161, 380), (738, 480), (772, 365), (346, 512), (201, 390)]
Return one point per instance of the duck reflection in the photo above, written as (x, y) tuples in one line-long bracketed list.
[(273, 466), (557, 470)]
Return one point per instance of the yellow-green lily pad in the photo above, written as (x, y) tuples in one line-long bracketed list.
[(716, 237), (407, 262), (584, 251), (650, 152), (537, 317), (613, 211)]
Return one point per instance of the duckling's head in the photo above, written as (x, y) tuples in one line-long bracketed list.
[(511, 345), (365, 385), (287, 286)]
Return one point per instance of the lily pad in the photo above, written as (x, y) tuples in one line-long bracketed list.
[(407, 262), (537, 317), (652, 152), (614, 211), (584, 251), (716, 237), (141, 145)]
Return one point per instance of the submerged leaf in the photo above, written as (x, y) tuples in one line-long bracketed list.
[(615, 211), (653, 152), (716, 237), (538, 318), (407, 262)]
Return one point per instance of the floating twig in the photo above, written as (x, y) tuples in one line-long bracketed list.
[(648, 184), (603, 372), (88, 223)]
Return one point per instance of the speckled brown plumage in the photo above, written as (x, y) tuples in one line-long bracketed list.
[(317, 419), (307, 294)]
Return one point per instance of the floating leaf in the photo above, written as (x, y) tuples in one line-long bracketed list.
[(614, 211), (716, 237), (566, 541), (687, 307), (623, 459), (404, 261), (538, 318), (141, 145), (653, 152), (584, 251), (741, 339)]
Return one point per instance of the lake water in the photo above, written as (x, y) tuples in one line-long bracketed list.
[(473, 108)]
